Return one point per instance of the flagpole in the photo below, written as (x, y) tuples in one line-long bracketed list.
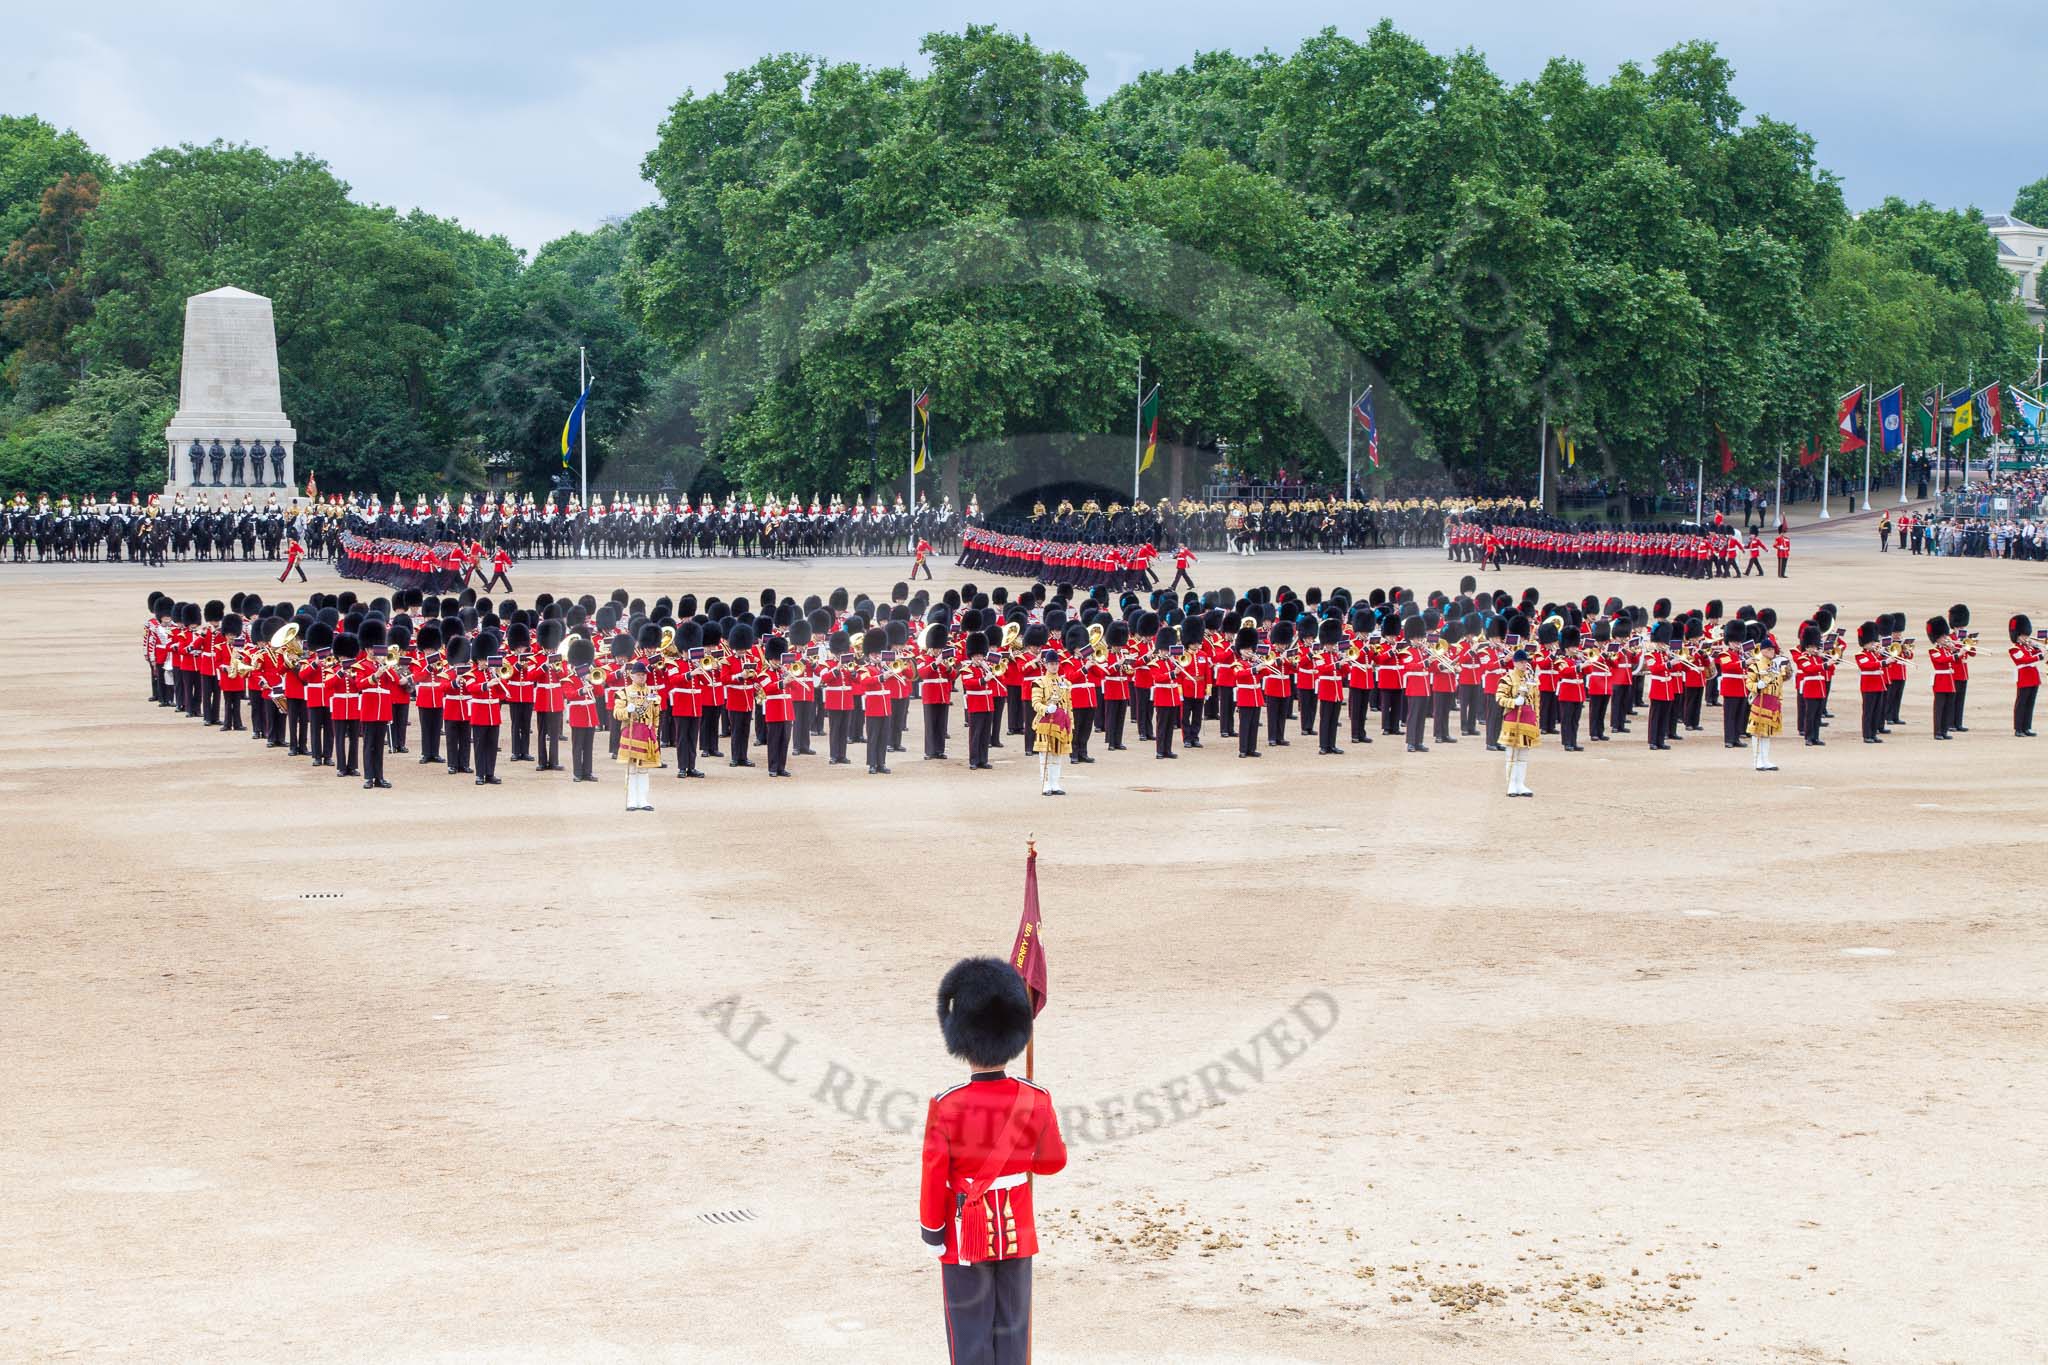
[(1970, 397), (1905, 444), (1778, 493), (1137, 430), (1699, 495), (1869, 389), (583, 427), (1350, 429), (1542, 454), (913, 452)]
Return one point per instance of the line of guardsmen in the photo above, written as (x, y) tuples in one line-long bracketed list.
[(1677, 551), (337, 679)]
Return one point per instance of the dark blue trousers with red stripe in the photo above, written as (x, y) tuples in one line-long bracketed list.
[(988, 1311)]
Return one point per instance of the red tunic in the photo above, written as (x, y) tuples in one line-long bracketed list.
[(981, 1140)]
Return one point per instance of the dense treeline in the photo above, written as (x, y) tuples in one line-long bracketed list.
[(1634, 257)]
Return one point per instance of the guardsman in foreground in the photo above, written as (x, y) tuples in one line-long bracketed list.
[(983, 1141)]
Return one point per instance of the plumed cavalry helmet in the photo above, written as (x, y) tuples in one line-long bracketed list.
[(984, 1011)]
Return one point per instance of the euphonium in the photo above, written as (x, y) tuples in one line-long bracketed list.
[(1012, 633)]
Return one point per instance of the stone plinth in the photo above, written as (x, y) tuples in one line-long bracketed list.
[(228, 397)]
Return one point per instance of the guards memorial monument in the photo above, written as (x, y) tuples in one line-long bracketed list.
[(230, 430)]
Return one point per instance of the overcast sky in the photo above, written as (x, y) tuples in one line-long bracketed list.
[(532, 120)]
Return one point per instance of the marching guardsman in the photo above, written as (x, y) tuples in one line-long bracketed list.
[(2026, 661), (983, 1141), (501, 572), (1520, 732), (1358, 685), (739, 674), (294, 551), (1783, 545), (902, 677), (206, 658), (1443, 681), (1898, 663), (1767, 677), (1571, 688), (923, 554), (1660, 684)]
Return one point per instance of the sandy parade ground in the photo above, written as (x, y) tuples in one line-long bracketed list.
[(1359, 1060)]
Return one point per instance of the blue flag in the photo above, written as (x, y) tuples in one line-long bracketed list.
[(574, 425), (1891, 419)]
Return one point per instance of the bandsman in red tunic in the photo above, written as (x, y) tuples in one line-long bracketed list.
[(2026, 661)]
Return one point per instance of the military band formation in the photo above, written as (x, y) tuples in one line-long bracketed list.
[(680, 685)]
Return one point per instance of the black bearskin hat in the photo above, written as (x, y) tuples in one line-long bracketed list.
[(937, 635), (372, 634), (581, 654), (977, 644), (740, 637), (1413, 628), (622, 645), (1937, 629), (1282, 634), (1330, 632), (1958, 617), (1247, 638), (231, 625), (839, 642), (347, 646), (984, 1011), (1191, 631), (2019, 628), (773, 648), (648, 636), (1809, 636), (897, 633), (874, 642), (430, 635), (457, 649), (215, 610), (1866, 633), (518, 636)]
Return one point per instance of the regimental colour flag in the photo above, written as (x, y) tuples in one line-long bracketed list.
[(1891, 419), (1727, 454), (1849, 418), (1148, 422), (1027, 954), (1362, 410)]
